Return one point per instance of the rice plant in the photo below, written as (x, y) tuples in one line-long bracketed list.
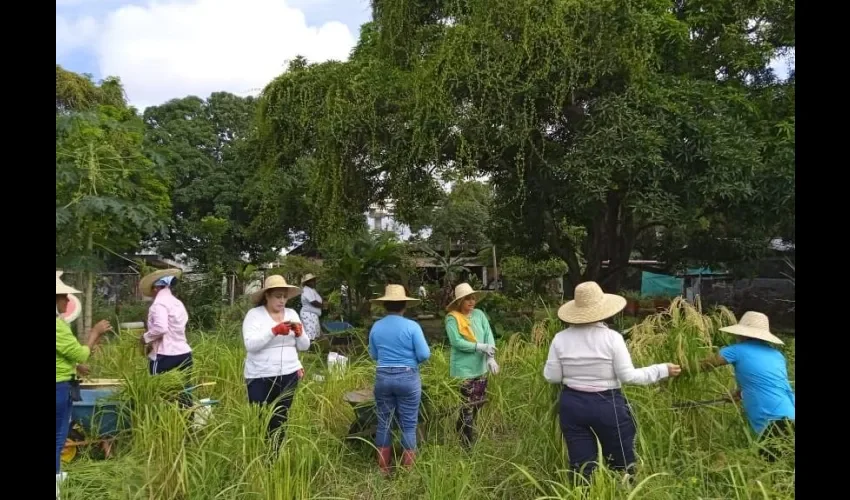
[(699, 453)]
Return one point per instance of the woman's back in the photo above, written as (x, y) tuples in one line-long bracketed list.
[(762, 376), (397, 341), (593, 357)]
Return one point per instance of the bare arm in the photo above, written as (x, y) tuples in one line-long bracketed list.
[(713, 362)]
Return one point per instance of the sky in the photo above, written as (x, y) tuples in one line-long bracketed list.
[(164, 49)]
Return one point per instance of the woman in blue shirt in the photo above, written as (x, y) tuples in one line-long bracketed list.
[(398, 347), (762, 377)]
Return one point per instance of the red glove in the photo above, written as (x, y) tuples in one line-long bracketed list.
[(281, 329), (299, 330)]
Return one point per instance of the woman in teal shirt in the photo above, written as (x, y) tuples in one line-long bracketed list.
[(762, 378), (473, 352)]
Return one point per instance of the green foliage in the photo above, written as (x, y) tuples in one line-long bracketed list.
[(203, 145), (109, 195), (507, 314), (295, 267), (462, 218), (366, 263), (329, 124), (75, 92), (525, 279), (605, 127), (701, 453)]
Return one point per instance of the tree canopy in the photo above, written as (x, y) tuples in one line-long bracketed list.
[(203, 144), (598, 123)]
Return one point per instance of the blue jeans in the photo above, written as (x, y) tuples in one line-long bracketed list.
[(398, 392), (63, 418)]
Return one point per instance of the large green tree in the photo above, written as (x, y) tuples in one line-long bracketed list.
[(600, 123), (109, 194), (203, 143)]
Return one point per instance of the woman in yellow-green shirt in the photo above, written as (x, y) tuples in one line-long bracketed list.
[(69, 354), (473, 354)]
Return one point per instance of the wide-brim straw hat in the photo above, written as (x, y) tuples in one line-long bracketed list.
[(307, 277), (754, 325), (275, 281), (61, 287), (461, 291), (396, 293), (146, 283), (590, 305), (72, 312)]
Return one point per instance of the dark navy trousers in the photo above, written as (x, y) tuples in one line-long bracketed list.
[(182, 362), (604, 416)]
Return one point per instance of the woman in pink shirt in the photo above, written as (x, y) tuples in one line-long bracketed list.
[(165, 338)]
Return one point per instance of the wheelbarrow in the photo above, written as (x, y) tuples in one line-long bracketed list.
[(96, 419), (99, 417), (336, 337), (365, 423)]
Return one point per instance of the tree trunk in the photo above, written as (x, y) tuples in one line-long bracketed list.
[(495, 266), (80, 322), (89, 292)]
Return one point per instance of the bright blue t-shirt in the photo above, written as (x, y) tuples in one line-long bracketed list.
[(762, 376), (397, 341)]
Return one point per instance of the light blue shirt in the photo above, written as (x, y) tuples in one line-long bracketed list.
[(397, 341), (762, 376)]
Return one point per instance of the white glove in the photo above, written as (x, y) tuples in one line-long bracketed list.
[(489, 350), (493, 366)]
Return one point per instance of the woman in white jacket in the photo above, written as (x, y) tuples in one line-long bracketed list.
[(591, 363), (273, 336)]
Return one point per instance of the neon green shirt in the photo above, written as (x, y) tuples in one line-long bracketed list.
[(69, 351), (465, 361)]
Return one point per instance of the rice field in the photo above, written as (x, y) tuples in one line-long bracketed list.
[(703, 452)]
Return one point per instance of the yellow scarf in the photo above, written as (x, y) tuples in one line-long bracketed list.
[(464, 327)]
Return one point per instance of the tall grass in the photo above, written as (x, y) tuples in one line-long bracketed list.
[(700, 453)]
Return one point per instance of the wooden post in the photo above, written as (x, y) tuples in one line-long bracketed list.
[(89, 290)]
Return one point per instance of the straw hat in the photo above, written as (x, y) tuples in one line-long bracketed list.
[(396, 293), (461, 291), (73, 310), (590, 305), (62, 288), (754, 325), (146, 283), (275, 281), (307, 277)]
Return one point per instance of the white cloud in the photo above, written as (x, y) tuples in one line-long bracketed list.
[(71, 36), (166, 50)]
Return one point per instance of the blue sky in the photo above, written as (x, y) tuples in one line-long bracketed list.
[(172, 48)]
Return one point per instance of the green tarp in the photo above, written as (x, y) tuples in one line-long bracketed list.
[(660, 285), (664, 285)]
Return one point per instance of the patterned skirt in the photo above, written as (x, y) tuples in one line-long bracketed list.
[(311, 325)]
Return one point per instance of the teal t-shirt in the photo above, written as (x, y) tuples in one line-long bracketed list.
[(762, 376)]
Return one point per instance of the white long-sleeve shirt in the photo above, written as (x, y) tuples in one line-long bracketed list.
[(594, 358), (271, 355)]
